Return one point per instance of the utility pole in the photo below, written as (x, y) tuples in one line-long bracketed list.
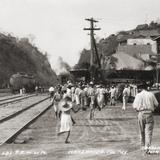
[(92, 41)]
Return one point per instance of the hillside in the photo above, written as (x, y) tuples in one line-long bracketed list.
[(19, 55), (108, 46)]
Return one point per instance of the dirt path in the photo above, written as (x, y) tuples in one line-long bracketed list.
[(113, 134)]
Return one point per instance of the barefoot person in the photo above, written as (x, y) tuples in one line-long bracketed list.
[(66, 106)]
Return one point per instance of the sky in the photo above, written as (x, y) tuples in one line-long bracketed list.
[(56, 26)]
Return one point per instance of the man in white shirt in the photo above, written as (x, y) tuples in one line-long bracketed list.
[(100, 97), (126, 94), (112, 95), (51, 92), (145, 103), (69, 93), (92, 97), (77, 95)]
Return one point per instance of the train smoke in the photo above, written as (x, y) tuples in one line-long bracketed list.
[(62, 67)]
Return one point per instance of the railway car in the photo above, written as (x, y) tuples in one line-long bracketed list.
[(19, 80), (64, 77)]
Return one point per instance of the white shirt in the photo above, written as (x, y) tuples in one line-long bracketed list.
[(51, 89), (101, 91), (145, 101), (72, 90), (113, 92), (77, 91), (69, 93), (91, 91), (126, 92)]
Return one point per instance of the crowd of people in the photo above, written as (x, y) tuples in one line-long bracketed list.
[(97, 96), (92, 95), (84, 96), (89, 96)]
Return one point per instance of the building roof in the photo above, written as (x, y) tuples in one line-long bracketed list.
[(137, 34), (125, 61), (149, 68)]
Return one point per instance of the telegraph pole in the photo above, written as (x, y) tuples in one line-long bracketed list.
[(92, 41)]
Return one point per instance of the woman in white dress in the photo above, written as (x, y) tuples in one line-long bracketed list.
[(66, 123)]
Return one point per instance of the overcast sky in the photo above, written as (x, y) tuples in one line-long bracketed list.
[(57, 25)]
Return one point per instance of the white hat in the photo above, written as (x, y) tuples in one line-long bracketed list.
[(91, 82), (65, 104)]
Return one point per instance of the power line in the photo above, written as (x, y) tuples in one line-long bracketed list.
[(94, 53)]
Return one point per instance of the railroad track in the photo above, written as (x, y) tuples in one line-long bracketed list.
[(23, 117), (112, 131), (86, 135), (11, 111), (9, 97), (14, 99)]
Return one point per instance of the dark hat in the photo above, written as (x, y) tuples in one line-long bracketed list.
[(65, 105), (67, 98), (142, 86)]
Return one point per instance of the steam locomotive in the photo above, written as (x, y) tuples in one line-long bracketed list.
[(20, 80)]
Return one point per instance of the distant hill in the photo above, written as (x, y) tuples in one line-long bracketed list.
[(19, 55), (108, 46)]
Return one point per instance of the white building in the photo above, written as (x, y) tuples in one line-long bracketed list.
[(143, 41)]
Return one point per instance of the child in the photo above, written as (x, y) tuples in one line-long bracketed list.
[(66, 106)]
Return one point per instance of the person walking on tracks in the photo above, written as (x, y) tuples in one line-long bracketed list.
[(145, 103), (66, 106)]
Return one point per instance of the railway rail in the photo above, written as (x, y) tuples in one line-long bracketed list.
[(14, 99), (15, 109), (10, 97), (113, 134), (23, 117)]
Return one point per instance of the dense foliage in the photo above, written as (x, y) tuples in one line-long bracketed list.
[(19, 55)]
